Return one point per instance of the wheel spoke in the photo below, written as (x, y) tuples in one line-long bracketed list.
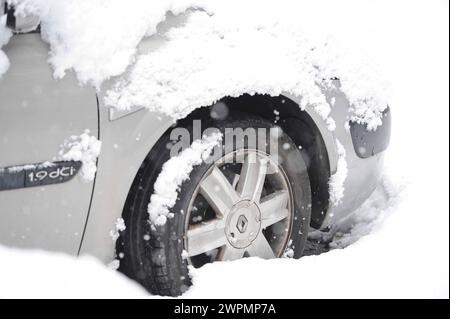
[(230, 253), (274, 208), (252, 177), (274, 218), (205, 237), (261, 248), (218, 192)]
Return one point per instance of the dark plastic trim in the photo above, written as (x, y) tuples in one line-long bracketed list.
[(369, 143), (24, 176)]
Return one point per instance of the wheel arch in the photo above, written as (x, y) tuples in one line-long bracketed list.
[(306, 129)]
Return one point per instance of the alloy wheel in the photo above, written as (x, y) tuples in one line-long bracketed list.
[(242, 207)]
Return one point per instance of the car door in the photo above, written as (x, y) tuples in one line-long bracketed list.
[(37, 113)]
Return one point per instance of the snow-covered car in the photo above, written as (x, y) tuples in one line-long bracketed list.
[(58, 192)]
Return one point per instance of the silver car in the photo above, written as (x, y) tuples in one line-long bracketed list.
[(229, 208)]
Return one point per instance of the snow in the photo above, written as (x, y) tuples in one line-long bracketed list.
[(337, 180), (39, 274), (119, 226), (207, 58), (184, 254), (85, 148), (406, 251), (114, 265), (174, 172), (5, 35), (394, 261), (96, 56), (395, 246), (366, 219)]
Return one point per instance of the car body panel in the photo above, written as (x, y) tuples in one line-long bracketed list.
[(363, 174), (37, 113), (125, 144)]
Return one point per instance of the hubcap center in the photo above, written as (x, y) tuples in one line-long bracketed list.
[(243, 224)]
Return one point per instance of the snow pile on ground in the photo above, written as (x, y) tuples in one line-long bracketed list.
[(363, 221), (337, 180), (5, 35), (273, 52), (85, 148), (366, 219), (38, 274), (394, 261), (96, 38), (174, 172)]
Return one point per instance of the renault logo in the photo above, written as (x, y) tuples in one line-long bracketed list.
[(242, 223)]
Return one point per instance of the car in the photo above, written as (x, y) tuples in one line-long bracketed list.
[(248, 201)]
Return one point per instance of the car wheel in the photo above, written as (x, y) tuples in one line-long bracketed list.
[(246, 203)]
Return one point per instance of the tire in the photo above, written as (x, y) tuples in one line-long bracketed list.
[(154, 255)]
